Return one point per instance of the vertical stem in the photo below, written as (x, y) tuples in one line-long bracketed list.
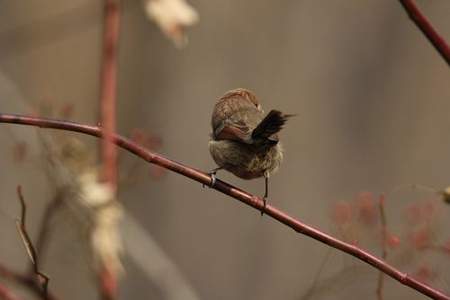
[(107, 278), (383, 246), (109, 91)]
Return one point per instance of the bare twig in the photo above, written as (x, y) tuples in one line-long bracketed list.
[(21, 226), (234, 192), (427, 29), (107, 277), (383, 245)]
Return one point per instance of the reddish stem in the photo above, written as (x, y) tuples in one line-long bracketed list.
[(108, 90), (234, 192), (107, 284), (427, 29), (383, 245)]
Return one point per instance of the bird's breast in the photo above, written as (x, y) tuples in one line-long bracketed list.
[(246, 161)]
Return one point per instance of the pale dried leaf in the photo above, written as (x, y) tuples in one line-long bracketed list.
[(105, 213), (172, 16)]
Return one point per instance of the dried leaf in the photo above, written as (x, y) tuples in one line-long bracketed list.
[(172, 16)]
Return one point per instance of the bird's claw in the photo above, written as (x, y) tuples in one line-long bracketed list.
[(264, 206), (213, 179)]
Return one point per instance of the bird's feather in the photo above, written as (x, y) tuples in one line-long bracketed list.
[(269, 126)]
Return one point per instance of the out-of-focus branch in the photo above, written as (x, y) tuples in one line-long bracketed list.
[(108, 81), (21, 226), (7, 294), (234, 192), (380, 284), (427, 29)]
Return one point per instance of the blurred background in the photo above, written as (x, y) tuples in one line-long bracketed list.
[(372, 102)]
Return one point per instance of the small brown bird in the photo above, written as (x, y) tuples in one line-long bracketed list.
[(243, 141)]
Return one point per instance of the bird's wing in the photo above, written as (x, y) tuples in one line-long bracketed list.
[(235, 131), (269, 126)]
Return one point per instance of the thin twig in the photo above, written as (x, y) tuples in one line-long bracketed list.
[(427, 29), (108, 81), (21, 227), (234, 192), (383, 245)]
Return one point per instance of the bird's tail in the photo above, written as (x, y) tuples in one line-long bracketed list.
[(271, 124)]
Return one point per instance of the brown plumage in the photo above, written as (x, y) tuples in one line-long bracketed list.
[(243, 140)]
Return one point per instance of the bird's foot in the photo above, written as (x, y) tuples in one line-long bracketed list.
[(213, 178), (264, 199)]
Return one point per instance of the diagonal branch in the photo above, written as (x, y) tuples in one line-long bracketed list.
[(234, 192), (427, 29)]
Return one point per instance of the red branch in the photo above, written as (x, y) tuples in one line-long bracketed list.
[(384, 252), (107, 284), (427, 29), (108, 90), (234, 192)]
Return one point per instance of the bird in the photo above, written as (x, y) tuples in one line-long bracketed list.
[(244, 141)]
